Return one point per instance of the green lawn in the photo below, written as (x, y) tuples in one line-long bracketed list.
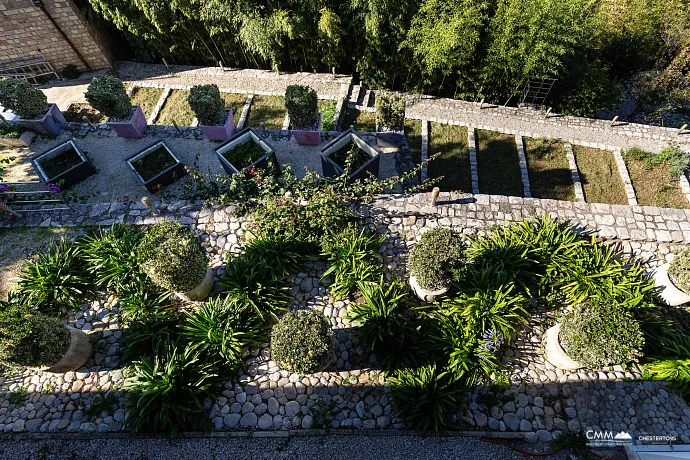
[(147, 98), (362, 121), (549, 172), (453, 163), (269, 109), (327, 109), (235, 102), (176, 108), (413, 134), (498, 166), (653, 184), (599, 175)]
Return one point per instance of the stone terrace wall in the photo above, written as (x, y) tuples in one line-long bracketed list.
[(25, 29)]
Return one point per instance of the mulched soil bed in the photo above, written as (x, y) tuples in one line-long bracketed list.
[(154, 163), (176, 108), (76, 111)]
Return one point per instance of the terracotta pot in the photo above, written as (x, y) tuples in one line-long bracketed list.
[(78, 353), (425, 294), (202, 290), (669, 293), (555, 354)]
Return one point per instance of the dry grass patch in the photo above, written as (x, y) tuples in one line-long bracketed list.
[(549, 172), (235, 102), (176, 108), (498, 165), (599, 175), (654, 185), (362, 121), (453, 163), (147, 98), (269, 109)]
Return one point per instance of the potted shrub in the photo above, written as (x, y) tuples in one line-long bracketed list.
[(595, 334), (434, 260), (65, 165), (303, 342), (390, 119), (215, 121), (245, 150), (32, 107), (107, 94), (174, 259), (349, 153), (301, 103), (29, 338), (673, 279), (156, 167)]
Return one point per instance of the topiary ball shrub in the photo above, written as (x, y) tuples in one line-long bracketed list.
[(28, 338), (301, 103), (22, 98), (303, 342), (438, 254), (679, 270), (390, 111), (207, 104), (173, 257), (600, 333), (107, 94)]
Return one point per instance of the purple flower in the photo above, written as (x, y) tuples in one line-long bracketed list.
[(53, 188), (492, 341), (4, 188)]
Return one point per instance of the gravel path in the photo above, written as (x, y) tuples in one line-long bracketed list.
[(303, 448)]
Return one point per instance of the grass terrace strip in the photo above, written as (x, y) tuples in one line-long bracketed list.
[(549, 173), (454, 162), (327, 109), (235, 102), (176, 108), (599, 175), (654, 185), (498, 165), (362, 121), (413, 133), (147, 98), (269, 109)]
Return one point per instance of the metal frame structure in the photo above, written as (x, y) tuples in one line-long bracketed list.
[(535, 92), (29, 69), (32, 198)]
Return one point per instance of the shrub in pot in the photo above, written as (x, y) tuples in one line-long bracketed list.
[(174, 259), (303, 342), (107, 94), (29, 338), (31, 105), (301, 103), (215, 122), (390, 119), (433, 260), (600, 333), (674, 279)]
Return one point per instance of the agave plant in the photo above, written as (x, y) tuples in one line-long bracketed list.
[(58, 280)]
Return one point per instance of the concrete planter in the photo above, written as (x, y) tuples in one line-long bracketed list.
[(134, 127), (200, 292), (50, 124), (331, 169), (220, 132), (425, 294), (669, 293), (309, 137), (75, 173), (390, 138), (163, 178), (78, 353), (240, 138), (555, 353)]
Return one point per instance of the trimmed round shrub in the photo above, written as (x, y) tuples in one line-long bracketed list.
[(173, 257), (679, 270), (390, 111), (303, 342), (301, 103), (438, 254), (28, 338), (207, 104), (107, 95), (22, 98), (601, 333)]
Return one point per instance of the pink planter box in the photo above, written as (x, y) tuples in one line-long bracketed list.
[(304, 137), (220, 132), (134, 128)]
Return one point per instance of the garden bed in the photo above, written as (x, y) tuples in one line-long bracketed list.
[(365, 157), (77, 111), (654, 185), (327, 109), (156, 167), (64, 165), (413, 134), (147, 98), (269, 109), (453, 163), (498, 165), (176, 109), (601, 180), (246, 149), (362, 121), (549, 171)]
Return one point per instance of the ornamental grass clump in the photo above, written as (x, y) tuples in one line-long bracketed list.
[(601, 333), (301, 103), (173, 257), (207, 104), (107, 94), (438, 255), (303, 342), (679, 270), (22, 98)]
